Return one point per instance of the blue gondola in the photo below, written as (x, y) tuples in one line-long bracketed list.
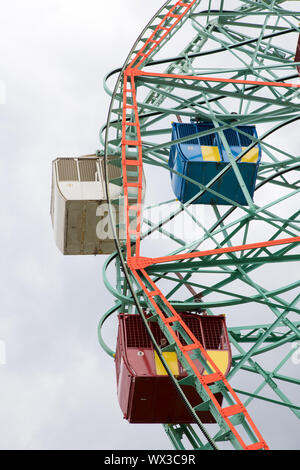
[(202, 158)]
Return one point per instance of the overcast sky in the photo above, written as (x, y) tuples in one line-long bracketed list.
[(57, 388)]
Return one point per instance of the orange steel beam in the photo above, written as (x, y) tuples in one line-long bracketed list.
[(208, 379), (143, 262), (156, 38), (214, 79)]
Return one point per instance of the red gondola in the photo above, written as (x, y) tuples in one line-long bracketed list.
[(146, 393)]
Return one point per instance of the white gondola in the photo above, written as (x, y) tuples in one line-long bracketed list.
[(79, 210)]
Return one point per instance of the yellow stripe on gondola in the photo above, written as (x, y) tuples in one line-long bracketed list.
[(251, 156), (210, 153), (220, 359), (171, 360)]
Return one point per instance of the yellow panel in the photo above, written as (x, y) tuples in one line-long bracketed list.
[(171, 359), (210, 153), (220, 358), (250, 156)]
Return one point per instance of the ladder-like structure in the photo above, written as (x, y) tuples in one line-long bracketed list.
[(235, 425), (214, 380)]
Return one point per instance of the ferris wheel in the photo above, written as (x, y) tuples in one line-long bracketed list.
[(200, 162)]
